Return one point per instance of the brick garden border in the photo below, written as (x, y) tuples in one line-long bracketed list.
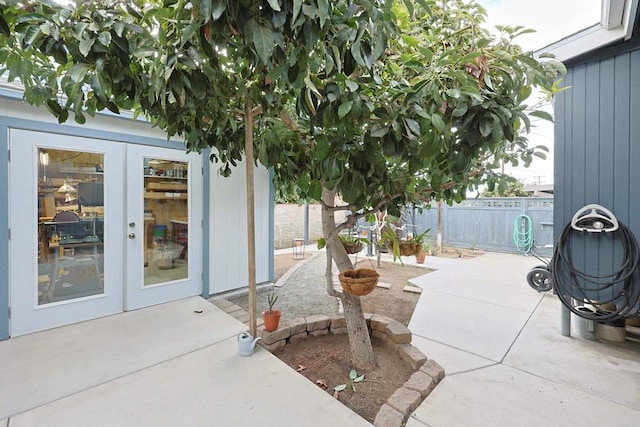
[(399, 406)]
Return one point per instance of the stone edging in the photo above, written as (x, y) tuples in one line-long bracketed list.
[(405, 400)]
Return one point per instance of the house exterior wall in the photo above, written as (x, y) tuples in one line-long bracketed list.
[(597, 150), (223, 198)]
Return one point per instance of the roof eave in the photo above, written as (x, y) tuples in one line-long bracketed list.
[(616, 23)]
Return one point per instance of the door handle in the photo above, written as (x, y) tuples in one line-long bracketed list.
[(132, 235)]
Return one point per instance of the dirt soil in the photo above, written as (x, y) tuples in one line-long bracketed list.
[(394, 302), (324, 360)]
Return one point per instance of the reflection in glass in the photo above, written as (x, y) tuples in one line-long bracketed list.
[(166, 213), (70, 225)]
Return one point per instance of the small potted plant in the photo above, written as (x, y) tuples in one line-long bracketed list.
[(353, 243), (402, 247), (271, 317)]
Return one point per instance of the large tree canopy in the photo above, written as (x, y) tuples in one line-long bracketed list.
[(382, 102)]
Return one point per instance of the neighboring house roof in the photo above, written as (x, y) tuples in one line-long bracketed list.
[(616, 24), (539, 190)]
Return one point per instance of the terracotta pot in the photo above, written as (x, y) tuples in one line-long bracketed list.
[(421, 256), (271, 320)]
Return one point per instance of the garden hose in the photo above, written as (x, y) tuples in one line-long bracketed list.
[(575, 288), (523, 234)]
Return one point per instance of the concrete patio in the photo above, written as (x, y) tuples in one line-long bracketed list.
[(506, 362), (176, 364)]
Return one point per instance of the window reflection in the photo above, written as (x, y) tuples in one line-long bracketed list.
[(70, 225)]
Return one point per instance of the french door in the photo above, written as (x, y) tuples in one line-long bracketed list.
[(92, 233), (164, 226)]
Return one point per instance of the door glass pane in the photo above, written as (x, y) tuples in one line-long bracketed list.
[(70, 225), (166, 216)]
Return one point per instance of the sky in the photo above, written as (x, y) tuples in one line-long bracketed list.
[(552, 20)]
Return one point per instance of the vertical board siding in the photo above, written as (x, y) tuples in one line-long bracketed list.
[(597, 155), (228, 224), (605, 152), (634, 137)]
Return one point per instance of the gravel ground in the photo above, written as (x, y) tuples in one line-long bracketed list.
[(303, 294)]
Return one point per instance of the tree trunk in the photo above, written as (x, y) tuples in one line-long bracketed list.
[(362, 357)]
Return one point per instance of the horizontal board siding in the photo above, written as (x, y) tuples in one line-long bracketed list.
[(597, 156)]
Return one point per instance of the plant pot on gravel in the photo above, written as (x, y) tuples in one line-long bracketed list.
[(271, 317)]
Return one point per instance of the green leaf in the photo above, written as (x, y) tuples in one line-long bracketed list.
[(542, 115), (412, 126), (54, 107), (96, 85), (353, 374), (353, 86), (263, 40), (460, 110), (425, 6), (438, 123), (378, 131), (80, 118), (4, 27), (486, 127), (217, 9), (85, 46), (524, 93), (321, 243), (344, 108), (409, 5), (30, 36), (275, 5), (78, 72), (205, 9), (105, 38), (323, 10), (359, 379), (540, 155), (340, 387), (297, 7), (188, 32)]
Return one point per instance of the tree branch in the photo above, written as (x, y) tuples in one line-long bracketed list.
[(335, 208), (329, 273), (256, 110)]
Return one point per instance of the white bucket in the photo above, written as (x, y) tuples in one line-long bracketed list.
[(584, 328), (614, 331)]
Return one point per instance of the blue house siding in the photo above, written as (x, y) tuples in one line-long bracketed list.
[(597, 151)]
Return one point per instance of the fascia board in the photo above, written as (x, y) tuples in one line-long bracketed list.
[(598, 35)]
